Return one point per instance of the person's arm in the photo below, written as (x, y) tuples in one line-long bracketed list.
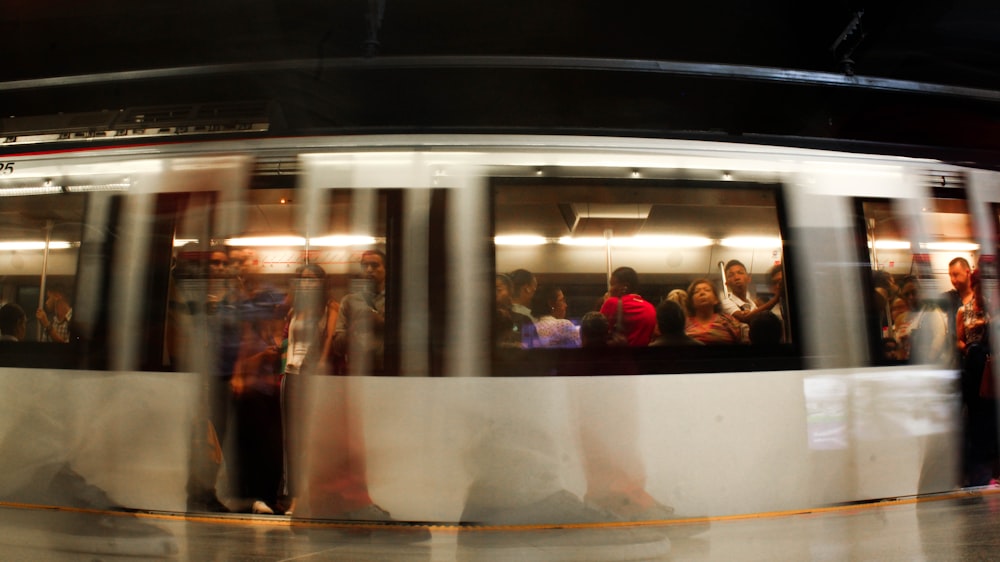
[(959, 331), (745, 316), (47, 327), (330, 328)]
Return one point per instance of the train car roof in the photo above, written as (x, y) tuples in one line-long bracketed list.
[(896, 77)]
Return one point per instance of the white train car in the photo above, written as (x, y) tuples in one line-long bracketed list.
[(455, 429)]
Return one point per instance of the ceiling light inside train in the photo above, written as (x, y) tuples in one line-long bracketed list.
[(34, 245), (951, 246), (756, 242), (649, 241), (520, 240), (890, 245), (37, 190), (298, 241)]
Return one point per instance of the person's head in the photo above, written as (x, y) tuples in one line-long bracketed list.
[(624, 280), (57, 298), (737, 277), (670, 318), (680, 297), (523, 286), (703, 297), (13, 321), (308, 287), (218, 263), (958, 273), (765, 329), (776, 279), (373, 267), (310, 271), (549, 300), (594, 329), (503, 299), (909, 291), (883, 284)]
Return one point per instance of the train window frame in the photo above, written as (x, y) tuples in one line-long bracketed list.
[(33, 351), (787, 356)]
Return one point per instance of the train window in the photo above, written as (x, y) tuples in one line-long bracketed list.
[(679, 276), (272, 283), (40, 242), (911, 247)]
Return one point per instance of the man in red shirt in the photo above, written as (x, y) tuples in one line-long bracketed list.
[(635, 318)]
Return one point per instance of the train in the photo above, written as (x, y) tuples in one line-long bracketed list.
[(451, 428)]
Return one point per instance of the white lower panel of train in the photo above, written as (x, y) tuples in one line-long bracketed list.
[(707, 444)]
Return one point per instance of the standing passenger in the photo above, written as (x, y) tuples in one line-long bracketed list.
[(523, 288), (627, 312), (972, 329), (738, 303), (961, 293), (511, 329), (56, 301), (334, 455), (552, 328), (706, 322), (359, 335), (310, 324)]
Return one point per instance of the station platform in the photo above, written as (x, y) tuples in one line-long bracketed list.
[(963, 525)]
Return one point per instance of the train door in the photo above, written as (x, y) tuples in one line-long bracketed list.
[(911, 245)]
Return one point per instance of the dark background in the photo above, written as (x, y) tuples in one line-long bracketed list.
[(557, 66)]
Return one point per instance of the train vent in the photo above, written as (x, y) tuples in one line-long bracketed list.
[(944, 179), (155, 121)]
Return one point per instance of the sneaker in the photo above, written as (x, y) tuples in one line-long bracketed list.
[(629, 510), (92, 534), (370, 512), (376, 526), (558, 508), (261, 508), (647, 509)]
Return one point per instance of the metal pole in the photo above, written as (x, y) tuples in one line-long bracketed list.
[(45, 269), (608, 235), (722, 272)]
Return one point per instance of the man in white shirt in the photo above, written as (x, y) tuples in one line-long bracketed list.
[(738, 303)]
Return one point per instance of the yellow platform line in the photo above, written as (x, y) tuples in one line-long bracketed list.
[(289, 521)]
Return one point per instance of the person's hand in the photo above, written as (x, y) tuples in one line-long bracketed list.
[(42, 318)]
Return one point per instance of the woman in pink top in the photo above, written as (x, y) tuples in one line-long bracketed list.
[(706, 322)]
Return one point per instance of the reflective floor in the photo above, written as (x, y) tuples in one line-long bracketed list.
[(960, 526)]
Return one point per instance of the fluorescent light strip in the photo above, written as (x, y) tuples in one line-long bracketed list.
[(34, 245), (639, 241), (37, 190), (662, 242), (99, 187), (951, 246), (520, 240), (954, 246), (333, 241), (890, 245), (756, 242)]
